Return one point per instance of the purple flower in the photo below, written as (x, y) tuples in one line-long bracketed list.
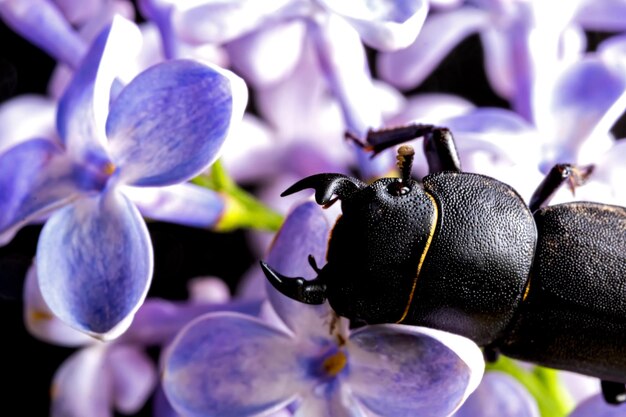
[(228, 364), (266, 42), (595, 406), (94, 254), (499, 395), (572, 116), (103, 376)]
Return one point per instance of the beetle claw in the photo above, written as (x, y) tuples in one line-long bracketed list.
[(306, 291)]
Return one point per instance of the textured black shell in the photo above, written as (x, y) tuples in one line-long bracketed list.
[(475, 272), (574, 316), (374, 249)]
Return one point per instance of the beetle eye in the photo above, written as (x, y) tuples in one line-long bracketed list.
[(398, 188)]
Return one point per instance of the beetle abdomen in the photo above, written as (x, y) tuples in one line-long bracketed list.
[(475, 272), (574, 314)]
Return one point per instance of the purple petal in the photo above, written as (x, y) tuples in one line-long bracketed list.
[(42, 23), (398, 370), (596, 407), (330, 400), (78, 11), (498, 60), (25, 117), (606, 15), (231, 365), (586, 101), (499, 143), (613, 49), (498, 395), (82, 385), (186, 204), (579, 386), (36, 177), (158, 321), (208, 289), (134, 377), (445, 4), (41, 322), (382, 24), (94, 262), (170, 122), (266, 56), (218, 22), (299, 107), (431, 108), (408, 67), (304, 233), (161, 406), (343, 62), (258, 141), (84, 107)]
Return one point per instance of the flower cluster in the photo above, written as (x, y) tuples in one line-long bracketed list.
[(200, 113)]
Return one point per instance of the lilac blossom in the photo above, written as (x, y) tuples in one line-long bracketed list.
[(307, 359), (56, 26), (94, 254), (255, 32), (527, 43), (499, 395), (595, 406), (573, 118), (119, 375)]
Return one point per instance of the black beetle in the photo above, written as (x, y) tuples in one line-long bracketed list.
[(463, 253)]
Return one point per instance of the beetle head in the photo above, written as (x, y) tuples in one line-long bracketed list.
[(374, 249)]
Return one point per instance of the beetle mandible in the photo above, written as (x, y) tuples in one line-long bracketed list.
[(463, 252)]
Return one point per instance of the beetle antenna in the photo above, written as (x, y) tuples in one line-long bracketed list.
[(405, 156), (306, 291)]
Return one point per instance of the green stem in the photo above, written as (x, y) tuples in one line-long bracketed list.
[(242, 209), (543, 384)]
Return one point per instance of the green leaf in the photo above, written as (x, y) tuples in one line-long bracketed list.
[(242, 209)]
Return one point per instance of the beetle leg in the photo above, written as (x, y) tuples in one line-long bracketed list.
[(440, 151), (377, 140), (491, 354), (560, 174), (613, 392), (439, 146), (313, 264)]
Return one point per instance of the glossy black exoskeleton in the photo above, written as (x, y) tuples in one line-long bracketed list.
[(464, 253)]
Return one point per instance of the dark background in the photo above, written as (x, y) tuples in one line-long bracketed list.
[(180, 252)]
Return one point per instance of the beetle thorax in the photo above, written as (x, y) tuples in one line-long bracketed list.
[(376, 248)]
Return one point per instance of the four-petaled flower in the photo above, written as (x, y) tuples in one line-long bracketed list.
[(165, 126), (229, 364)]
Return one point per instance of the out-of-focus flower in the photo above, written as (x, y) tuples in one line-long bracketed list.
[(527, 43), (499, 395), (572, 117), (596, 406), (266, 42), (55, 26), (103, 376), (307, 358), (166, 126)]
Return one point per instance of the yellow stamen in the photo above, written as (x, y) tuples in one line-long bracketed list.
[(109, 168), (38, 315), (334, 364)]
